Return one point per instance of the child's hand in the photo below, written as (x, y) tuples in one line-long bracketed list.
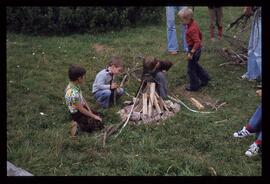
[(189, 56), (248, 11), (114, 86), (98, 118), (259, 92)]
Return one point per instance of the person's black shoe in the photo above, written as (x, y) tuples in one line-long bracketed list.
[(188, 88)]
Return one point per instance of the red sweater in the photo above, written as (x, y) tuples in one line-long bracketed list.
[(193, 35)]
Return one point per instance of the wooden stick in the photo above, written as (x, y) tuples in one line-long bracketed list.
[(131, 109), (104, 139), (224, 103), (109, 132), (139, 106), (131, 71), (123, 80), (156, 104), (144, 103), (150, 106), (136, 77), (151, 98), (175, 99), (163, 103), (159, 103), (227, 63), (196, 103), (220, 121)]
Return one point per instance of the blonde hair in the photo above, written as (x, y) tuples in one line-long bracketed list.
[(185, 13), (116, 61)]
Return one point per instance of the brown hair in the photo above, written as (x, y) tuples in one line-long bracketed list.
[(149, 64), (116, 61), (75, 71)]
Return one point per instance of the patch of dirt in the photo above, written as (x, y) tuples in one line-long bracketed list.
[(100, 49)]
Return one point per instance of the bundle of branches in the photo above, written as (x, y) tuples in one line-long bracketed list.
[(235, 52), (242, 22)]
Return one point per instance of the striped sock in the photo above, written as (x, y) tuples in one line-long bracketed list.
[(258, 142), (249, 128)]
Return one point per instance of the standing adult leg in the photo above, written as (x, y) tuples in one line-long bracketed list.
[(172, 43), (212, 20), (254, 51), (183, 29), (254, 124), (219, 15)]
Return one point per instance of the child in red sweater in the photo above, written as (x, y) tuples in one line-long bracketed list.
[(198, 76)]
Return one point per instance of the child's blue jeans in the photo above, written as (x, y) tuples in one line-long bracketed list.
[(255, 122), (103, 96)]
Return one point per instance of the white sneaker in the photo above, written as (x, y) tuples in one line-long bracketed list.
[(242, 133), (253, 150), (244, 76)]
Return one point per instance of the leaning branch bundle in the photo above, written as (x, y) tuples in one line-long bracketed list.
[(235, 53)]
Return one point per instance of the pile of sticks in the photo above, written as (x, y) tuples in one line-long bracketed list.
[(149, 107), (235, 53)]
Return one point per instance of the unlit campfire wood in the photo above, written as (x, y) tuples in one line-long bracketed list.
[(149, 107)]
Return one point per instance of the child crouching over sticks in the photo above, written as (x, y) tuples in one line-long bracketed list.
[(157, 69), (82, 116), (104, 86)]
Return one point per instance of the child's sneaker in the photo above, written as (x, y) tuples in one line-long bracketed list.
[(242, 133), (253, 150)]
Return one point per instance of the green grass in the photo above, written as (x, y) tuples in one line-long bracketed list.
[(185, 145)]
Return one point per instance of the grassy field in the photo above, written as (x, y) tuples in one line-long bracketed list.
[(186, 145)]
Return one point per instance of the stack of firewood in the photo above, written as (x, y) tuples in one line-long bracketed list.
[(233, 57), (149, 107), (235, 52)]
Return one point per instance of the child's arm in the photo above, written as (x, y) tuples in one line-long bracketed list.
[(86, 112), (100, 82), (86, 104), (196, 39)]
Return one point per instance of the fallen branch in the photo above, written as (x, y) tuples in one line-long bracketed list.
[(212, 170), (124, 78), (192, 110), (104, 139), (133, 75), (224, 103), (131, 71), (110, 132), (197, 103), (131, 110), (216, 122)]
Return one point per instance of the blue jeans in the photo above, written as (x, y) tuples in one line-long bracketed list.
[(254, 67), (255, 122), (162, 86), (197, 74), (103, 96), (172, 42)]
